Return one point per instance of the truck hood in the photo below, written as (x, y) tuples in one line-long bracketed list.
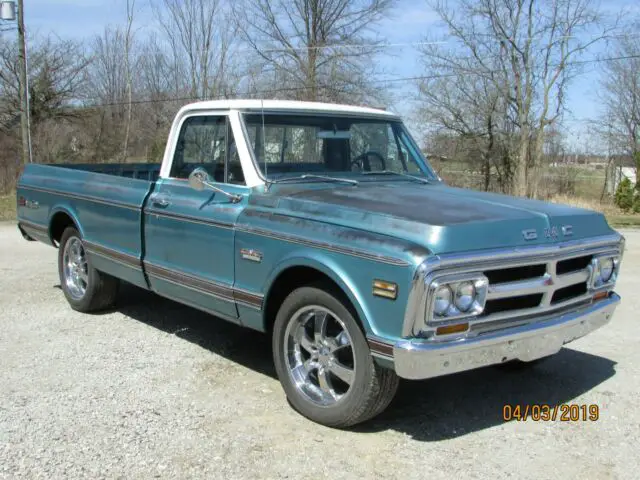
[(441, 218)]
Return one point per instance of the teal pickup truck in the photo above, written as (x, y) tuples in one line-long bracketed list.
[(325, 227)]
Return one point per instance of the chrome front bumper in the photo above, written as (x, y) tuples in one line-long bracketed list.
[(420, 359)]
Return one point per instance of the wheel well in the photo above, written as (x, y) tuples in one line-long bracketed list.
[(59, 224), (295, 277)]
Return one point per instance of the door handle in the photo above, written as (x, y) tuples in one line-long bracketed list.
[(160, 202)]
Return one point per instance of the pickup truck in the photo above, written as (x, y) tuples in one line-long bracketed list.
[(325, 227)]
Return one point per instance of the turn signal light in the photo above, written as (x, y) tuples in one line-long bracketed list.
[(449, 329), (385, 289), (600, 296)]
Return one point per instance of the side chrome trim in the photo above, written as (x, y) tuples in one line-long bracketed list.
[(188, 218), (214, 289), (217, 290), (111, 254), (247, 298), (33, 232), (80, 196), (380, 348), (322, 245), (202, 309), (27, 225)]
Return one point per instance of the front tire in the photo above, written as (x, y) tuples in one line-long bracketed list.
[(323, 360), (85, 288)]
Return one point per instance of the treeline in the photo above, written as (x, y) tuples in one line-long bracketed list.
[(494, 84)]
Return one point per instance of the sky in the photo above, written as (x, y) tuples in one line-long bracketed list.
[(411, 22)]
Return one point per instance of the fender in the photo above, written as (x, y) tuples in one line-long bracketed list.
[(327, 265), (70, 211)]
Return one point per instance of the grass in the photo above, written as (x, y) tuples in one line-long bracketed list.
[(8, 207), (615, 216)]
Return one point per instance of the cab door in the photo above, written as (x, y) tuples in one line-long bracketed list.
[(189, 234)]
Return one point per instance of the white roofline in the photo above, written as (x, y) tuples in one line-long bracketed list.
[(285, 105)]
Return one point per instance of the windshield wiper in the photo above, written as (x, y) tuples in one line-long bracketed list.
[(321, 177), (390, 172)]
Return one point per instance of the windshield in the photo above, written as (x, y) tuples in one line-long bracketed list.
[(331, 144)]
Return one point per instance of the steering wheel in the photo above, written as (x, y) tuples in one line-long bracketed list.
[(362, 161)]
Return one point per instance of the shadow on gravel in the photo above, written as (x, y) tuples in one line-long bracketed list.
[(431, 410), (241, 345), (451, 406)]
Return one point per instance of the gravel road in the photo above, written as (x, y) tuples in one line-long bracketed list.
[(155, 389)]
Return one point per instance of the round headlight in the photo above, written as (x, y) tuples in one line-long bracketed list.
[(605, 269), (465, 296), (442, 300)]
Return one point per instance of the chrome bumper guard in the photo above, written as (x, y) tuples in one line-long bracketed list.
[(420, 359)]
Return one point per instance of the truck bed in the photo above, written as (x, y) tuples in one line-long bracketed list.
[(142, 171), (105, 200)]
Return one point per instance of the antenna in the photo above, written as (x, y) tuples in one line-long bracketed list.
[(264, 147)]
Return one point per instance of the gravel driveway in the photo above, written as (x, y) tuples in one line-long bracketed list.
[(155, 389)]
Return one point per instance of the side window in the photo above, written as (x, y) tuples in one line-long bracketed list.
[(234, 167), (205, 141)]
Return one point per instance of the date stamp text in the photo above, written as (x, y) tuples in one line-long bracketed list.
[(566, 412)]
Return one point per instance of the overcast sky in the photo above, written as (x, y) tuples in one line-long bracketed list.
[(412, 20)]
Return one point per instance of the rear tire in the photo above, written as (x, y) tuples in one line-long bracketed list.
[(323, 360), (85, 288)]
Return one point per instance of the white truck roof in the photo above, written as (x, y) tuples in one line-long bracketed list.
[(284, 105)]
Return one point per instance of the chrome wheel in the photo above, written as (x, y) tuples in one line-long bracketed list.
[(75, 268), (319, 355)]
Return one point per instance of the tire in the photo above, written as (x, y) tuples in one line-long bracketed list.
[(341, 345), (100, 290)]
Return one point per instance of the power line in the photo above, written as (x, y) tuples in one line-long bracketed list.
[(334, 87), (418, 43)]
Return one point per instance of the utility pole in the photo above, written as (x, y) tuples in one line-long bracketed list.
[(8, 14), (24, 87)]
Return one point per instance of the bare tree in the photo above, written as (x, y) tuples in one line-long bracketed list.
[(108, 90), (199, 37), (470, 109), (315, 49), (621, 96), (57, 77), (128, 41), (108, 76), (526, 50)]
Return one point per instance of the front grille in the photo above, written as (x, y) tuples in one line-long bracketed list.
[(568, 293), (512, 303), (520, 290), (573, 264), (515, 274)]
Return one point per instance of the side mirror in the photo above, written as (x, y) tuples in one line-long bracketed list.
[(198, 178)]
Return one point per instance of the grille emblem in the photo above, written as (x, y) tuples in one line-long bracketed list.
[(551, 232)]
